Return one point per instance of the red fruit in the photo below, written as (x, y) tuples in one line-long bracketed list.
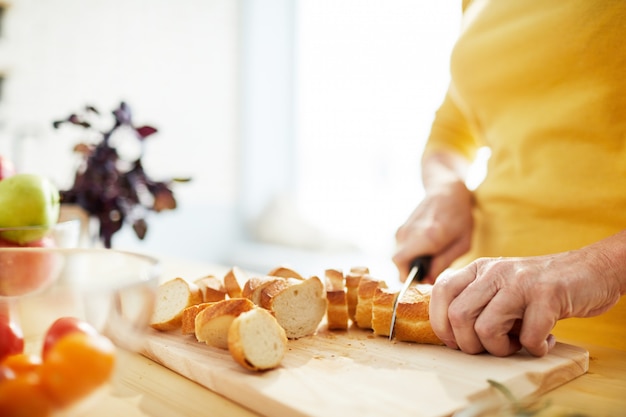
[(11, 337), (28, 270), (63, 327), (6, 167)]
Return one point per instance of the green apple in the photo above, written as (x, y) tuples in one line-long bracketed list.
[(28, 200)]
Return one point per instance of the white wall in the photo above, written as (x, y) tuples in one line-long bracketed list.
[(174, 62)]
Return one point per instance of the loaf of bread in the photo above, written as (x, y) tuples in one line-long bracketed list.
[(337, 310), (172, 298), (213, 322), (298, 305), (412, 317), (212, 288), (256, 340), (232, 282), (365, 295)]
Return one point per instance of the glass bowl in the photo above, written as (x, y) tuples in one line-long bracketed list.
[(64, 234), (112, 290)]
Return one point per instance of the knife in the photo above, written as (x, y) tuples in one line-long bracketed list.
[(419, 267)]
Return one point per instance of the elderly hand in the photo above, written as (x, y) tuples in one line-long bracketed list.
[(441, 226), (501, 305)]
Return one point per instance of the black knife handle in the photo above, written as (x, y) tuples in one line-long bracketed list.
[(423, 265)]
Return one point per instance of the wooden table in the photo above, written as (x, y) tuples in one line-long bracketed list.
[(145, 388)]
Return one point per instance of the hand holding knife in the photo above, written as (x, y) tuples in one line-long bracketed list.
[(419, 267)]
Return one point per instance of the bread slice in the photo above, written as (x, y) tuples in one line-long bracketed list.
[(298, 305), (353, 278), (212, 323), (256, 341), (337, 310), (365, 295), (188, 325), (253, 287), (360, 270), (172, 298), (232, 281), (412, 317), (284, 272), (212, 288), (413, 320), (382, 309)]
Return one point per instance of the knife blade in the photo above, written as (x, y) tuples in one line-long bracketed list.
[(419, 267)]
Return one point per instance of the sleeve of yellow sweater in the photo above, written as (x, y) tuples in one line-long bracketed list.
[(451, 131)]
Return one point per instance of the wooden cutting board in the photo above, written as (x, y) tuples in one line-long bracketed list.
[(353, 373)]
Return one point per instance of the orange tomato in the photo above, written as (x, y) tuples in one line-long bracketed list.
[(76, 365), (22, 363), (21, 393)]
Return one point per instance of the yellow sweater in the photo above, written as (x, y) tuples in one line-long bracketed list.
[(542, 83)]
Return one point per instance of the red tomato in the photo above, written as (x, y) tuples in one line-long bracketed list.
[(75, 366), (61, 328), (11, 337)]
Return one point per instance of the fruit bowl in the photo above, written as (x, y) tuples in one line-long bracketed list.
[(111, 291), (64, 234)]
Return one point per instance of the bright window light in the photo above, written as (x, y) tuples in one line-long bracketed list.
[(369, 78)]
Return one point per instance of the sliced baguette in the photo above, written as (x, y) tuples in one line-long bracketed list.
[(212, 323), (298, 305), (382, 308), (284, 272), (337, 310), (256, 340), (188, 325), (412, 317), (232, 281), (172, 298), (353, 278), (413, 320), (366, 290), (253, 287), (212, 288)]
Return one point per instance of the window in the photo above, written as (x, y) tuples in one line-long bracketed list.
[(369, 78)]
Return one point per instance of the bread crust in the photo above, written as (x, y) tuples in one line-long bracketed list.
[(232, 281), (212, 288), (413, 319), (412, 316), (284, 272), (212, 323), (337, 310), (253, 287), (352, 279), (365, 295), (168, 313), (382, 308), (189, 317)]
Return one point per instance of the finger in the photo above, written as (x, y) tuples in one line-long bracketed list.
[(498, 325), (535, 334), (447, 287), (465, 309)]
